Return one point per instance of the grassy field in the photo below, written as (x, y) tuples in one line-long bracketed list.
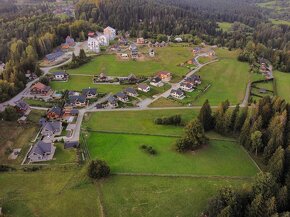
[(47, 193), (228, 78), (159, 196), (280, 22), (137, 121), (39, 103), (63, 155), (123, 154), (14, 135), (78, 83), (167, 58), (282, 82), (164, 102), (225, 26)]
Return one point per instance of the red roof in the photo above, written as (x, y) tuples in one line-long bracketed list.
[(163, 73), (91, 34), (39, 86)]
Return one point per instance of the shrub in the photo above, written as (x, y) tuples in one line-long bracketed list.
[(172, 120), (5, 168), (98, 169), (148, 149)]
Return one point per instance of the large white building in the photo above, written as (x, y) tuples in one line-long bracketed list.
[(93, 44), (110, 32)]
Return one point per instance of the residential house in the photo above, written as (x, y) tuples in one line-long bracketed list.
[(103, 40), (140, 41), (196, 50), (131, 92), (122, 97), (132, 78), (51, 128), (112, 102), (60, 76), (22, 107), (89, 93), (123, 41), (134, 51), (71, 144), (178, 93), (54, 113), (40, 88), (41, 151), (151, 52), (103, 77), (91, 34), (70, 41), (165, 76), (187, 86), (124, 55), (193, 79), (110, 32), (76, 101), (93, 44), (53, 56), (144, 88), (157, 82)]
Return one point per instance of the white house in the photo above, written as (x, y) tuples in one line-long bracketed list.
[(157, 82), (189, 87), (178, 94), (103, 40), (144, 88), (93, 44), (110, 32)]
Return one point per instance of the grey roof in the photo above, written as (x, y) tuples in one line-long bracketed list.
[(74, 99), (133, 47), (41, 148), (121, 95), (156, 79), (143, 86), (59, 73), (57, 110), (185, 84), (112, 99), (71, 144), (21, 105), (87, 91), (52, 126), (177, 91), (74, 111), (130, 90)]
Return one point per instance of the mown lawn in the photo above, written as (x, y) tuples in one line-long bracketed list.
[(137, 121), (78, 83), (123, 153), (47, 193), (167, 58), (63, 156), (228, 78), (283, 84), (159, 196)]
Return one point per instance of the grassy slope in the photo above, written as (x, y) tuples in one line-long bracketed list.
[(44, 194), (157, 196), (228, 79), (225, 26), (167, 58), (137, 121), (123, 154), (283, 87)]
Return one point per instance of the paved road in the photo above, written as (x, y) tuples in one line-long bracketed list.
[(45, 70)]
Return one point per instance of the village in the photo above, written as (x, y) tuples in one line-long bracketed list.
[(60, 123)]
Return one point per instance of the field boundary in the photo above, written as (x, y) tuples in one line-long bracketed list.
[(185, 176)]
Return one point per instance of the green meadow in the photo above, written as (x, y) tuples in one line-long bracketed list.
[(124, 154)]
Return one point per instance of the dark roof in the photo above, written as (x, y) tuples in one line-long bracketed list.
[(177, 91), (59, 73), (21, 105), (57, 110), (71, 144), (112, 99), (54, 56), (41, 148), (185, 84), (99, 106), (74, 111), (87, 91), (156, 79), (121, 95), (74, 99), (53, 126), (130, 90)]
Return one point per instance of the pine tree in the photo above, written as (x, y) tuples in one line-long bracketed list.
[(256, 208), (234, 117), (242, 116), (270, 207), (245, 135), (282, 199), (205, 116), (276, 163)]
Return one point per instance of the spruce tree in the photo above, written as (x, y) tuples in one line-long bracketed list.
[(276, 164), (205, 116), (256, 139)]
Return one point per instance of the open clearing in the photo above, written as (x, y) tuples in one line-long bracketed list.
[(136, 121), (225, 26), (167, 58), (228, 78), (159, 196), (123, 154), (282, 82)]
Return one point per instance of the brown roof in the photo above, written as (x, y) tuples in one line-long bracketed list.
[(163, 73), (39, 85)]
